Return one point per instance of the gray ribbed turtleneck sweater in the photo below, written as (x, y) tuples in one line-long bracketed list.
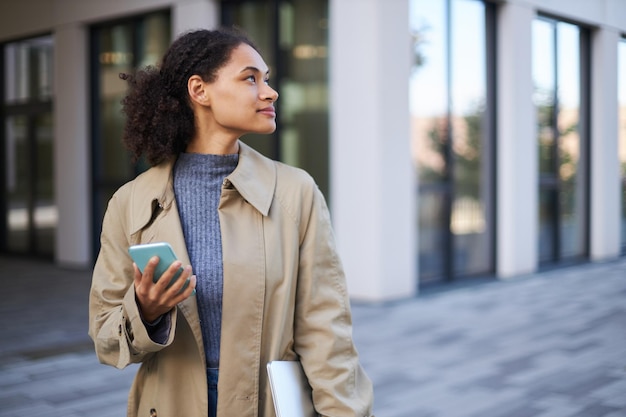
[(197, 185)]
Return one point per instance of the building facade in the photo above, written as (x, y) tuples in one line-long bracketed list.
[(452, 138)]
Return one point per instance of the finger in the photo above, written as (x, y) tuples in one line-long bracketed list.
[(181, 281), (192, 286), (163, 283), (148, 271), (188, 291)]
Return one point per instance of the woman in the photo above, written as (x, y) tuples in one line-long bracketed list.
[(268, 284)]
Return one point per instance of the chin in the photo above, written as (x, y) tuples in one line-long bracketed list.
[(268, 130)]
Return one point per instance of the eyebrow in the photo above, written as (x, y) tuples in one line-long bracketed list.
[(255, 69)]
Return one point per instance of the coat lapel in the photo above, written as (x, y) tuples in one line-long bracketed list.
[(155, 218), (245, 202)]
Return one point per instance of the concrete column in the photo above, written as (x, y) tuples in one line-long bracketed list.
[(196, 14), (373, 188), (517, 177), (605, 172), (71, 147)]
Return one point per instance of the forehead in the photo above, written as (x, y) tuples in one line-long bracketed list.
[(244, 56)]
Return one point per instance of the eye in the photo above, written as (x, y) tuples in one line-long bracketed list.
[(251, 78)]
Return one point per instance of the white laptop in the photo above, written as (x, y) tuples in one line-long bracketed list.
[(291, 391)]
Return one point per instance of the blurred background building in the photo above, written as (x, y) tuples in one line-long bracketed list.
[(453, 139)]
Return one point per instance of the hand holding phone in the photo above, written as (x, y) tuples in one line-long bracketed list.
[(154, 299), (142, 253)]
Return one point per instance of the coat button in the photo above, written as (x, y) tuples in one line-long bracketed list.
[(153, 412)]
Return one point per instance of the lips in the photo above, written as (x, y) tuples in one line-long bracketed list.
[(268, 111)]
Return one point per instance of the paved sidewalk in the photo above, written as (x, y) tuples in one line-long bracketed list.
[(544, 345)]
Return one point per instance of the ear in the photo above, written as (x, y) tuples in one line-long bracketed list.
[(196, 88)]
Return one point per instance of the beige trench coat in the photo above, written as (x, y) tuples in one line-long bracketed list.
[(284, 297)]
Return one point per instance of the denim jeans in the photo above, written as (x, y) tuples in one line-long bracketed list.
[(212, 377)]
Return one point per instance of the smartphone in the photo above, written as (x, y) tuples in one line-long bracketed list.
[(141, 254)]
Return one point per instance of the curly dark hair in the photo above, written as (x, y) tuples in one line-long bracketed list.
[(160, 121)]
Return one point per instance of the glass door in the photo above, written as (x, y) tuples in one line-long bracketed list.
[(452, 136), (559, 57), (292, 36), (118, 47), (28, 210)]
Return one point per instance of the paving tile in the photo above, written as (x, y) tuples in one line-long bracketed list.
[(619, 413), (542, 345), (557, 403), (597, 410)]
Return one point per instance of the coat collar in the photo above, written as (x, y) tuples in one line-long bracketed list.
[(254, 178)]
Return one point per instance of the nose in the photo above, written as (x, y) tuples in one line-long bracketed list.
[(269, 94)]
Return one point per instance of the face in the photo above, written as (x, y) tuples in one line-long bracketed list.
[(240, 99)]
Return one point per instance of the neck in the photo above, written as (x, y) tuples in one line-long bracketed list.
[(214, 146), (210, 137)]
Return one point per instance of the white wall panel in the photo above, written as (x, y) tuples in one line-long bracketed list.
[(372, 182), (605, 204), (72, 159), (517, 187)]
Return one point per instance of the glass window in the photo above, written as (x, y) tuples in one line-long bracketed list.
[(452, 137), (116, 56), (29, 213), (293, 38), (544, 76), (622, 131), (45, 212), (118, 47), (558, 66), (258, 19), (17, 184), (28, 70)]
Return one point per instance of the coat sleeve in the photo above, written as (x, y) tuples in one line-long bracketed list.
[(115, 324), (323, 323)]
